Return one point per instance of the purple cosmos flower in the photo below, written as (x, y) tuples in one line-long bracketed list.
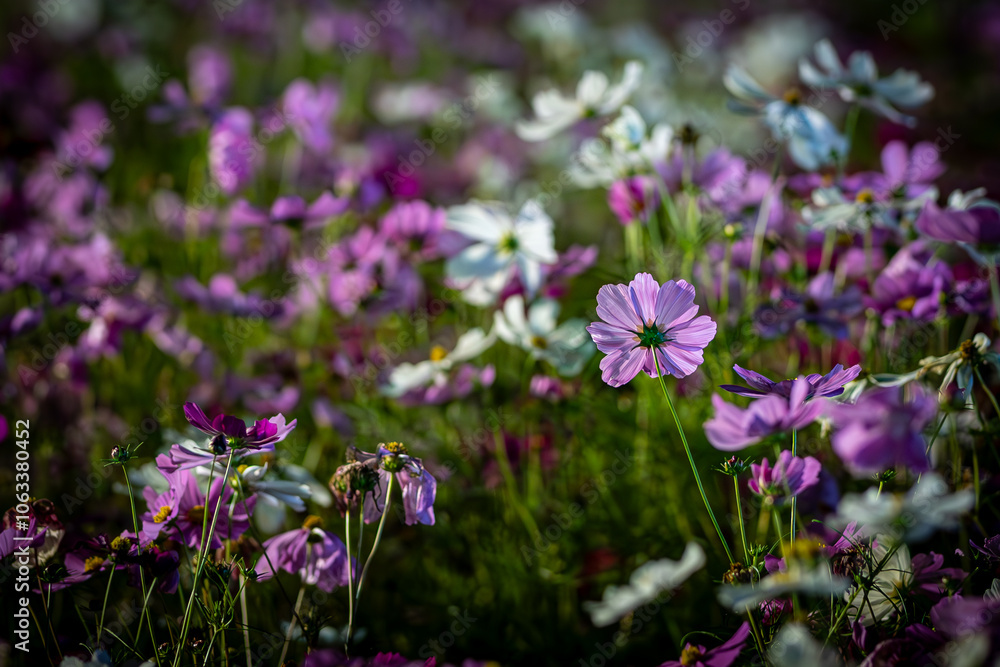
[(632, 199), (907, 173), (831, 384), (882, 430), (978, 225), (222, 295), (912, 286), (210, 74), (733, 428), (821, 305), (318, 557), (790, 476), (290, 209), (232, 153), (227, 433), (310, 110), (415, 227), (643, 319), (721, 656), (931, 578), (182, 510)]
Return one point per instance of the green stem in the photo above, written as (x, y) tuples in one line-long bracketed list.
[(246, 619), (687, 450), (104, 608), (850, 125), (202, 554), (993, 399), (142, 574), (295, 614), (378, 537), (795, 442), (350, 578), (739, 514)]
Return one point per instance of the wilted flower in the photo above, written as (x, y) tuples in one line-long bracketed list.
[(644, 319), (317, 556), (566, 346), (647, 582), (554, 112), (797, 578), (419, 488), (959, 364), (859, 82)]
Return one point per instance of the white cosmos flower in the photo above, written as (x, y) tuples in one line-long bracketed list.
[(407, 376), (595, 96), (501, 245), (926, 508), (795, 646), (818, 580), (566, 346), (646, 583), (859, 82), (811, 138), (275, 492), (830, 209), (891, 582), (629, 147)]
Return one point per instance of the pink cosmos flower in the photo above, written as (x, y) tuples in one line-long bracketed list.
[(644, 319)]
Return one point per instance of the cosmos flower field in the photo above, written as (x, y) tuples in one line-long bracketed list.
[(423, 333)]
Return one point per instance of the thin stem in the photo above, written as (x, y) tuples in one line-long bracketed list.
[(850, 125), (993, 399), (350, 578), (826, 258), (107, 591), (378, 537), (739, 514), (291, 623), (870, 255), (995, 290), (776, 515), (246, 619), (795, 442), (142, 574), (687, 450), (203, 553)]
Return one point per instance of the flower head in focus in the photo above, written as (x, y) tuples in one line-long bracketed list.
[(643, 319)]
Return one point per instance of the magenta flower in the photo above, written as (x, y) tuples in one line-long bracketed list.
[(632, 199), (643, 319), (978, 225), (790, 476), (882, 430), (720, 656), (227, 433), (416, 227), (182, 510), (233, 153), (831, 384), (734, 428), (318, 557)]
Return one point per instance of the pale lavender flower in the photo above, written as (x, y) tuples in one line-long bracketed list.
[(733, 428)]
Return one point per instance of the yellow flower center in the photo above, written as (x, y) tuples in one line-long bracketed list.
[(540, 342), (93, 564), (312, 521), (438, 353), (690, 655), (162, 515), (119, 544), (907, 303), (793, 96), (865, 196), (196, 514), (395, 447)]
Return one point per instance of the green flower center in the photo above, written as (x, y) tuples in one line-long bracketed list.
[(650, 336), (509, 244)]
